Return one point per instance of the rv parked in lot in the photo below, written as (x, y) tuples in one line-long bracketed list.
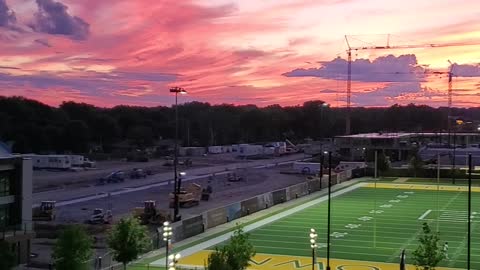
[(59, 162)]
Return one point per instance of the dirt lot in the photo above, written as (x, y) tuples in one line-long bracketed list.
[(256, 181)]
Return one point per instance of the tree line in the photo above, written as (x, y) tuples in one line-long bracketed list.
[(72, 127)]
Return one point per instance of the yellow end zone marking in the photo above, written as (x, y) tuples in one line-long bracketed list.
[(420, 187), (280, 262)]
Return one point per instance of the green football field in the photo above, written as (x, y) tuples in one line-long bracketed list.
[(376, 224)]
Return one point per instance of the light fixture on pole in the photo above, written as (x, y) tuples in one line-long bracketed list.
[(313, 245), (469, 233), (167, 236), (173, 260), (176, 186)]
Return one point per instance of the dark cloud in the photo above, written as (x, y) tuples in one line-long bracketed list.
[(89, 82), (53, 18), (251, 53), (7, 16), (388, 68), (466, 70), (386, 95), (43, 42)]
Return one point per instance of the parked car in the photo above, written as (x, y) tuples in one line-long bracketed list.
[(114, 177), (138, 173)]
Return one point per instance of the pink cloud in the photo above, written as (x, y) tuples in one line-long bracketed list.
[(235, 52)]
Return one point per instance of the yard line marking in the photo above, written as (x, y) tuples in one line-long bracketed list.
[(414, 237), (425, 214)]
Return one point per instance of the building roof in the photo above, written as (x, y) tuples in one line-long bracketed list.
[(383, 135), (398, 135)]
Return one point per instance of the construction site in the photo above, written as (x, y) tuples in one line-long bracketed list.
[(213, 181)]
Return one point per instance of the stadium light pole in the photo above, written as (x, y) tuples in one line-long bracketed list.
[(167, 236), (324, 105), (329, 206), (469, 209), (313, 245), (320, 173), (176, 186), (173, 261), (458, 123)]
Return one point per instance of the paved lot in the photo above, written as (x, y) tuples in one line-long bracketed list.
[(68, 193)]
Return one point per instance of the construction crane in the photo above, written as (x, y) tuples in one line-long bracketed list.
[(450, 93), (389, 47)]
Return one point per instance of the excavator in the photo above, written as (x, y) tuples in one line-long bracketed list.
[(149, 214), (45, 212), (99, 216)]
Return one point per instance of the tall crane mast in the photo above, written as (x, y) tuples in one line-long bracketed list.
[(389, 47)]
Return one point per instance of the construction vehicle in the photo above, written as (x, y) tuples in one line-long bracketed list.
[(138, 173), (99, 216), (292, 148), (149, 214), (188, 196), (45, 212), (114, 177), (185, 162), (206, 192), (233, 177)]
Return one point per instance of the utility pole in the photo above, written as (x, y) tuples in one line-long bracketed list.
[(176, 184), (329, 206), (469, 209)]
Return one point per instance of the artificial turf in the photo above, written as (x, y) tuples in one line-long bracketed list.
[(381, 236), (359, 234)]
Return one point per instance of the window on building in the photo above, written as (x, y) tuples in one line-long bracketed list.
[(4, 184)]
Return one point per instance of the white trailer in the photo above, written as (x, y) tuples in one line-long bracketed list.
[(250, 150), (306, 167), (215, 150), (60, 162), (227, 149), (77, 160)]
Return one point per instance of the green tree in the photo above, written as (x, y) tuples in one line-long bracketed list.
[(128, 239), (73, 249), (415, 163), (428, 253), (235, 255), (7, 256), (383, 163)]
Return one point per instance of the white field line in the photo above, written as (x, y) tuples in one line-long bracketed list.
[(222, 238), (425, 214)]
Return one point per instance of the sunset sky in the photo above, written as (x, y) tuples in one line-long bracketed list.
[(263, 52)]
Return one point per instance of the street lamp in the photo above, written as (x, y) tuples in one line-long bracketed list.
[(167, 236), (458, 123), (313, 245), (173, 261), (329, 206), (176, 185), (324, 105)]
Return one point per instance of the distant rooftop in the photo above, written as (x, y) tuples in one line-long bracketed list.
[(398, 135), (382, 135)]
